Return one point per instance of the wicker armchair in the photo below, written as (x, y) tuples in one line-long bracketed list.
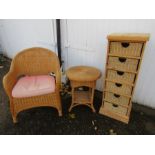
[(33, 61)]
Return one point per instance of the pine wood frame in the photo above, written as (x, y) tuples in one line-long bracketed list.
[(143, 40)]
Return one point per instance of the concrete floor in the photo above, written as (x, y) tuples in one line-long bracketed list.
[(81, 120)]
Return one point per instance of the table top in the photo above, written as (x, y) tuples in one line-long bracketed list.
[(83, 73)]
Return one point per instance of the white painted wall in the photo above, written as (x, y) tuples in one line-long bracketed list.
[(16, 35), (84, 43)]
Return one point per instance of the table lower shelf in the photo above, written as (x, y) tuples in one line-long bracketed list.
[(82, 97)]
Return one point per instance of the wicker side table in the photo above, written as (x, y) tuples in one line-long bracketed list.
[(80, 76)]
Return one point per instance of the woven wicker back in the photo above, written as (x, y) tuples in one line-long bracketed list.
[(35, 61)]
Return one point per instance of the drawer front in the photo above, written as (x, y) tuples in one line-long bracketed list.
[(126, 49), (119, 88), (116, 98), (120, 63), (115, 108), (120, 76)]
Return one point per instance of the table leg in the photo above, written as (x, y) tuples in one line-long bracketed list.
[(92, 99), (71, 106)]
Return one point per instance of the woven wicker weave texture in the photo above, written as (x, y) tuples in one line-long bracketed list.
[(83, 76), (124, 57), (33, 61)]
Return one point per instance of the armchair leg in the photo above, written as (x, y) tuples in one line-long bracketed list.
[(14, 119), (60, 112), (58, 103)]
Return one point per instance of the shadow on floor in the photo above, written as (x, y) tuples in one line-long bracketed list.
[(81, 120)]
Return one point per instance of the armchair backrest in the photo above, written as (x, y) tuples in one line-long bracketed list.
[(35, 61)]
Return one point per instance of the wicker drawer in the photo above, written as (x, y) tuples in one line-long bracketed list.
[(116, 98), (126, 49), (125, 64), (115, 108), (119, 88), (120, 76)]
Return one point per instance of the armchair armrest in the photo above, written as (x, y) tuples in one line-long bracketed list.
[(9, 81)]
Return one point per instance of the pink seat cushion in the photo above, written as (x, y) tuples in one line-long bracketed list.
[(29, 86)]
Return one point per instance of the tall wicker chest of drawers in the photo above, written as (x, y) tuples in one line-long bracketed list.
[(124, 57)]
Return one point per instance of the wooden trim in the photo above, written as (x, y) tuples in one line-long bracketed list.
[(125, 106), (117, 93), (105, 71), (139, 65), (133, 37), (121, 70), (130, 41), (129, 108), (135, 82), (123, 56), (114, 81)]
